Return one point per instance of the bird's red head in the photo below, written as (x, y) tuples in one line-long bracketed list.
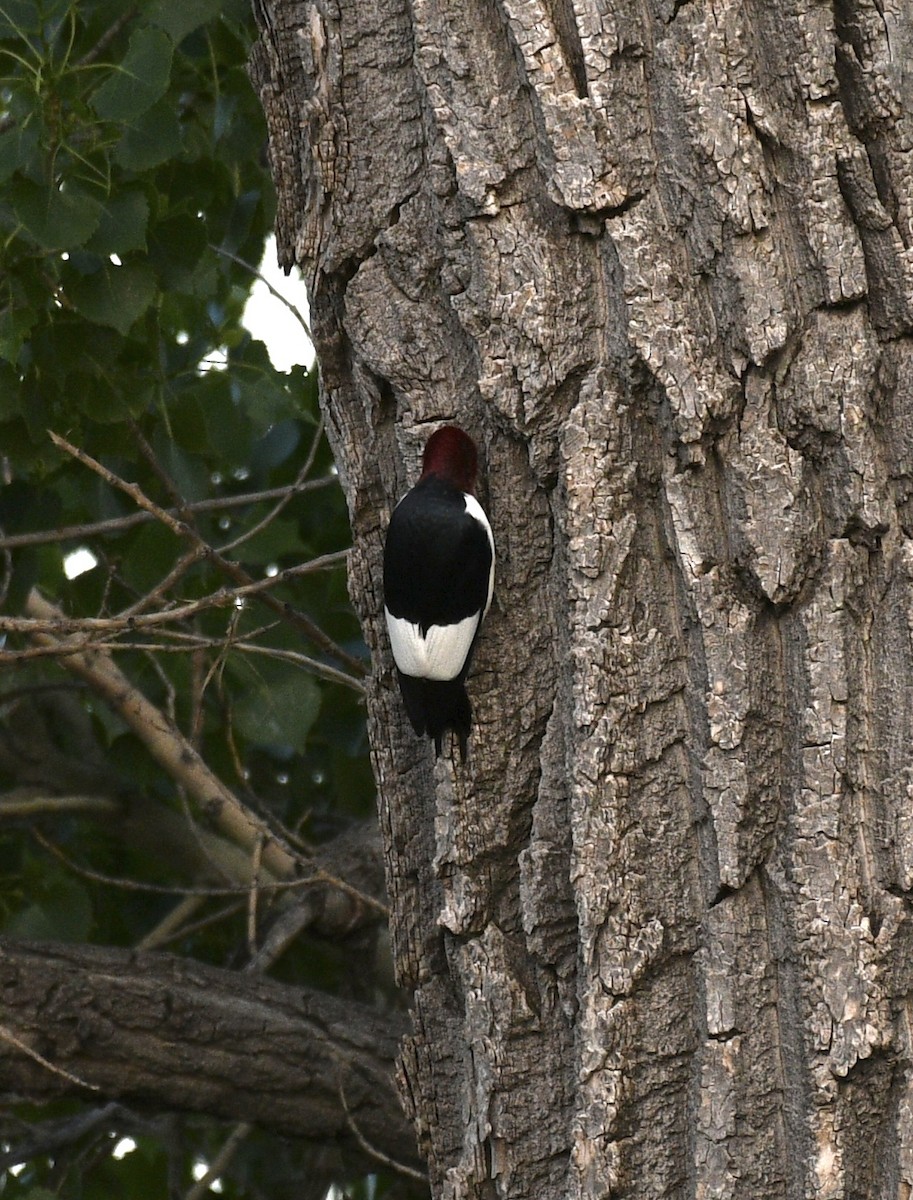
[(451, 454)]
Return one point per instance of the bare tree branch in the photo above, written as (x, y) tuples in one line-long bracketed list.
[(165, 743), (232, 569), (130, 619), (150, 1028), (220, 1161), (7, 1036), (66, 533), (284, 500), (28, 802)]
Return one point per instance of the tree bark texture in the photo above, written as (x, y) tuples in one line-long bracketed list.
[(658, 259), (153, 1029)]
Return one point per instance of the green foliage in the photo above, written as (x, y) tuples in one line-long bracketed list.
[(131, 157), (133, 189)]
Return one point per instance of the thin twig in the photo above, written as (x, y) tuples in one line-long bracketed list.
[(252, 898), (220, 1162), (378, 1155), (312, 665), (7, 575), (171, 924), (208, 852), (67, 533), (133, 490), (229, 641), (183, 931), (243, 645), (273, 291), (277, 509), (36, 806), (107, 37), (319, 878), (10, 1038), (234, 570), (225, 597), (167, 745), (153, 889), (306, 662), (161, 589), (159, 471), (282, 932), (20, 656)]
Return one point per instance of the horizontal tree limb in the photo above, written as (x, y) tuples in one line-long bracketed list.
[(155, 1029)]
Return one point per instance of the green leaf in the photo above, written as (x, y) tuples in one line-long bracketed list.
[(276, 445), (18, 149), (226, 425), (175, 247), (148, 557), (18, 18), (180, 19), (150, 140), (57, 218), (108, 400), (187, 426), (15, 325), (24, 507), (115, 296), (281, 714), (260, 390), (279, 539), (122, 226), (62, 912), (9, 397), (189, 475), (141, 80)]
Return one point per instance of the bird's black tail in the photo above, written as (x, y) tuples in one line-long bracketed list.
[(434, 706)]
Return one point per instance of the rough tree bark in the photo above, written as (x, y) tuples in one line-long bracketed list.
[(153, 1029), (658, 258)]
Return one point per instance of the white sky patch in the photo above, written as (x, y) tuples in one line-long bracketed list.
[(215, 360), (77, 562), (270, 320), (125, 1146)]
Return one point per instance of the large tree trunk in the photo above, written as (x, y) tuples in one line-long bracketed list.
[(658, 259)]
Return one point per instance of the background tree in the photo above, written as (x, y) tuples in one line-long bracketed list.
[(657, 259), (182, 752)]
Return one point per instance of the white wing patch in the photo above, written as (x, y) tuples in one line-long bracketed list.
[(441, 654), (475, 509)]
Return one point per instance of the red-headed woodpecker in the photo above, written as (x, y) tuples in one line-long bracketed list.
[(439, 572)]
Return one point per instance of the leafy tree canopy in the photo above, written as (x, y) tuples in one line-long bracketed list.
[(141, 422)]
